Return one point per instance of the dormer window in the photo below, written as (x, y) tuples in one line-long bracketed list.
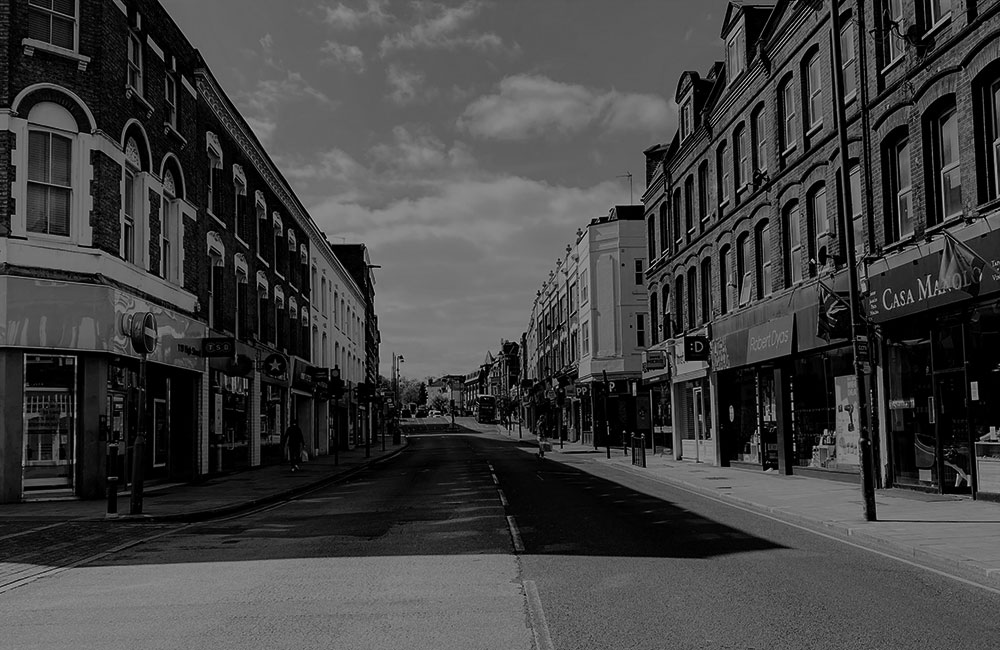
[(686, 118), (736, 54)]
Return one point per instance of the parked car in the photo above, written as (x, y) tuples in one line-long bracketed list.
[(434, 413), (421, 411)]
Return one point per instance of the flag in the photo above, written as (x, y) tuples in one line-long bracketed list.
[(961, 267), (834, 318)]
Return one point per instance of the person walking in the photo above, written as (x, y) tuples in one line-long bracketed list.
[(542, 433), (294, 440)]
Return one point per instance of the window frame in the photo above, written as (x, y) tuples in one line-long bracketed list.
[(813, 100), (48, 184), (763, 262), (792, 243), (136, 67), (724, 281), (170, 99), (759, 138), (848, 60), (942, 169), (722, 175), (52, 14), (786, 105), (896, 191), (741, 158), (735, 54)]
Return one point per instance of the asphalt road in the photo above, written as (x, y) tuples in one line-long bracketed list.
[(424, 551)]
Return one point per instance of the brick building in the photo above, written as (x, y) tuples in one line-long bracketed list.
[(743, 210), (129, 184)]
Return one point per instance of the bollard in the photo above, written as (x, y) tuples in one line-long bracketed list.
[(642, 445), (112, 480)]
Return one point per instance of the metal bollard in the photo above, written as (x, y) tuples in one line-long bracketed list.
[(642, 446), (112, 481)]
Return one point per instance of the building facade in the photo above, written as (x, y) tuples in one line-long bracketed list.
[(131, 186), (746, 226)]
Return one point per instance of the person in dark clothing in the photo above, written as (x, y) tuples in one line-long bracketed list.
[(294, 439)]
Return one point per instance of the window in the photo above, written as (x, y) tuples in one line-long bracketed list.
[(722, 175), (668, 328), (898, 200), (170, 99), (263, 309), (678, 324), (689, 204), (216, 306), (130, 212), (279, 249), (857, 213), (583, 288), (675, 208), (819, 227), (639, 280), (814, 92), (651, 237), (764, 287), (322, 284), (724, 280), (170, 230), (262, 231), (692, 283), (279, 325), (572, 299), (686, 119), (937, 11), (735, 54), (214, 166), (640, 330), (847, 58), (242, 225), (786, 107), (759, 136), (654, 316), (706, 290), (585, 338), (664, 230), (242, 327), (946, 167), (741, 158), (893, 13), (792, 245), (703, 191), (53, 22), (134, 80), (50, 189), (743, 258)]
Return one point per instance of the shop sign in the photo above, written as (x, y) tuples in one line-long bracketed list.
[(902, 404), (696, 348), (913, 288), (222, 346), (275, 366), (771, 340), (654, 360)]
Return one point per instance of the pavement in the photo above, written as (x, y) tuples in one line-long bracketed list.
[(951, 534), (215, 497)]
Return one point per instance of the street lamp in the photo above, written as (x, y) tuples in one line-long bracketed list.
[(336, 390)]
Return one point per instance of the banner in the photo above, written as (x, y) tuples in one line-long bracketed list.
[(846, 396)]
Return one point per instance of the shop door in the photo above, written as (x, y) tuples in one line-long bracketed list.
[(698, 399), (50, 420), (950, 413)]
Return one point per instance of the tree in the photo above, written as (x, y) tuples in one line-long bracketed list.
[(422, 393), (439, 402)]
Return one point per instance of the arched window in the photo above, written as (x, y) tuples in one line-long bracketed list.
[(722, 174), (786, 113), (689, 205), (820, 233), (678, 231), (792, 244), (899, 218), (679, 305), (664, 229), (703, 210), (51, 137), (744, 257), (654, 316), (706, 290), (668, 329), (692, 287), (763, 246), (725, 281), (812, 77), (944, 181), (741, 158), (651, 237)]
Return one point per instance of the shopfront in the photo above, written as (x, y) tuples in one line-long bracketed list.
[(940, 336), (694, 436), (275, 381)]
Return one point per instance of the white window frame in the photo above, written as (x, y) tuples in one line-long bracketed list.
[(787, 104), (894, 47), (240, 189), (741, 155), (735, 55), (686, 118), (51, 13), (848, 58), (171, 233), (946, 169), (814, 92), (935, 14), (260, 218), (130, 248), (134, 63), (170, 99), (793, 219), (759, 139), (51, 133), (904, 193)]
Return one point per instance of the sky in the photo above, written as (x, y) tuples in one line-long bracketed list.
[(463, 141)]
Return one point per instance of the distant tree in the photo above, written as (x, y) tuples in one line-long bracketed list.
[(439, 402), (422, 393)]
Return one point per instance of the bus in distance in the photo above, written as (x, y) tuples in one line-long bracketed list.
[(486, 409)]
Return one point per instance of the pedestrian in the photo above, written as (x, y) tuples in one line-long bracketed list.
[(542, 433), (294, 440)]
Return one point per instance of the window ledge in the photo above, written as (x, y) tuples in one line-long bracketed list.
[(169, 129), (789, 150), (814, 129), (240, 240), (221, 222), (133, 93), (263, 261), (942, 22), (32, 44), (888, 67)]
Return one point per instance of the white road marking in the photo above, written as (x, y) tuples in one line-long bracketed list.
[(539, 626), (503, 498), (515, 534)]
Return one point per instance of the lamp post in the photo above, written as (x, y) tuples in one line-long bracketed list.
[(336, 390)]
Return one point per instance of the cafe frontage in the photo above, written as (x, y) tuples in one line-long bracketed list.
[(939, 326)]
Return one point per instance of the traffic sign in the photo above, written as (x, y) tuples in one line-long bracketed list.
[(143, 333), (222, 346)]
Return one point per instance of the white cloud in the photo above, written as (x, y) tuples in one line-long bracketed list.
[(349, 56), (439, 26), (527, 106), (420, 152), (264, 129), (404, 84), (265, 100), (346, 17)]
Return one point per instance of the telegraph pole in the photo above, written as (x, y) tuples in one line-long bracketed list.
[(859, 339)]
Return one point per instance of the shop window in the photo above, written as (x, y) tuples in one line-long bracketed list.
[(50, 422), (825, 437), (792, 245), (741, 158), (898, 199), (945, 174), (692, 312), (50, 185), (725, 281), (722, 175), (706, 290), (763, 245), (786, 111), (813, 79), (53, 22)]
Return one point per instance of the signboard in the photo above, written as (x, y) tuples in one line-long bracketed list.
[(696, 348), (218, 347), (275, 366), (571, 390), (771, 340), (654, 360), (913, 288), (142, 332), (846, 396)]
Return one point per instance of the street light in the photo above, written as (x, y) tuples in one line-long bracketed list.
[(336, 390)]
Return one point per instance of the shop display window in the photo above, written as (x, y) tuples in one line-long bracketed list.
[(738, 426), (909, 393), (825, 420), (50, 417), (983, 352), (229, 422)]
